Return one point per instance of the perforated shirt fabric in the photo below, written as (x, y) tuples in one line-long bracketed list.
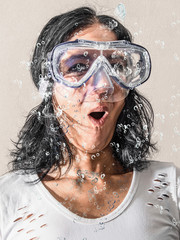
[(150, 210)]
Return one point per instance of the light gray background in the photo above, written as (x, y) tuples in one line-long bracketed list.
[(154, 24)]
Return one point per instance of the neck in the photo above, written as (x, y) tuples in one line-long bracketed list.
[(98, 163)]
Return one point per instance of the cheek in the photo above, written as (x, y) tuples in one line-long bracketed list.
[(67, 113), (118, 107), (68, 96)]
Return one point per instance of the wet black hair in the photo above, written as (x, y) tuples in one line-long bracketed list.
[(41, 141)]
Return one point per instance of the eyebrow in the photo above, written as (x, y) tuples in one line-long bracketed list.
[(78, 56)]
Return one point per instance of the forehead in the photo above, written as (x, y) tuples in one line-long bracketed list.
[(96, 32)]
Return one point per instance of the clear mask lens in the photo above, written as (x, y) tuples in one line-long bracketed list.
[(99, 73)]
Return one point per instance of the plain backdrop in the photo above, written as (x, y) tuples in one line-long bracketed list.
[(155, 24)]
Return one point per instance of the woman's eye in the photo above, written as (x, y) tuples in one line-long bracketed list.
[(117, 67), (78, 68)]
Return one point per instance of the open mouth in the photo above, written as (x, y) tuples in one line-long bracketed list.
[(97, 115)]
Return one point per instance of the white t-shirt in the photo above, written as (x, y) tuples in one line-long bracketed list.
[(150, 210)]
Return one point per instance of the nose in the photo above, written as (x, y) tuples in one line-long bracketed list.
[(101, 82)]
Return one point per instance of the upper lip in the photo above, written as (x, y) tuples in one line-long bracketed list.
[(99, 109)]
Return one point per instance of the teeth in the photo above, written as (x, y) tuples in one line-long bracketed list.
[(97, 115)]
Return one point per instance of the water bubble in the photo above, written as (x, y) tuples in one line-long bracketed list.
[(47, 153), (103, 176), (85, 53), (95, 180), (138, 142), (135, 108), (82, 175), (93, 147), (176, 131), (174, 148), (145, 127), (18, 82), (120, 11), (116, 194), (131, 159), (173, 97), (176, 57), (112, 24), (105, 97), (93, 157), (135, 34), (77, 159), (79, 173), (96, 191), (59, 112), (160, 43), (173, 24), (98, 207), (160, 116)]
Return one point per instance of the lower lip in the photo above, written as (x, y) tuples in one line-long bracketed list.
[(98, 122)]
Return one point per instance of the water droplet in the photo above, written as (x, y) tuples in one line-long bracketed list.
[(79, 172), (93, 157), (135, 108), (120, 11), (116, 194), (135, 34), (160, 43), (103, 176), (145, 127), (85, 53), (176, 57)]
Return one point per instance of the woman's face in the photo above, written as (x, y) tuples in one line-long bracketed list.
[(83, 131)]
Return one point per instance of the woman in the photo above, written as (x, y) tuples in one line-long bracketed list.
[(81, 168)]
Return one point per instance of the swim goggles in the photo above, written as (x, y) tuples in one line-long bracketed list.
[(98, 71)]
